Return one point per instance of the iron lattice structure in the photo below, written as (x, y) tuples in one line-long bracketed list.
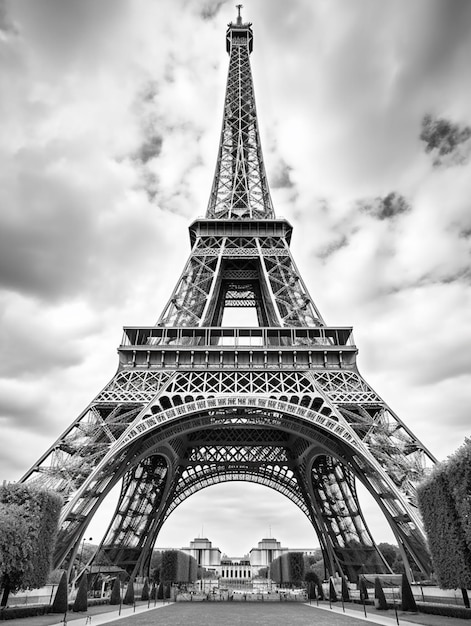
[(282, 404)]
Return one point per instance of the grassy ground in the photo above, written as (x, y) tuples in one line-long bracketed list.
[(239, 614)]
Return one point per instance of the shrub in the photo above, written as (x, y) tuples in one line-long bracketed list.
[(363, 589), (345, 591), (160, 592), (81, 600), (311, 590), (332, 592), (312, 580), (407, 597), (115, 597), (145, 591), (61, 602), (153, 592), (129, 595), (381, 603)]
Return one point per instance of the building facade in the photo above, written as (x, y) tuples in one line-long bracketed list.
[(238, 569)]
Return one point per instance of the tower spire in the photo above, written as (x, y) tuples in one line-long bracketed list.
[(240, 187)]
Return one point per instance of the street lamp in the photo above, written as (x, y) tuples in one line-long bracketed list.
[(81, 551)]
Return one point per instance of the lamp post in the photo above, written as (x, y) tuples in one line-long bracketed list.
[(81, 558), (81, 551)]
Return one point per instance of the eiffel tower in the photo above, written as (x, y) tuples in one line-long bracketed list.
[(195, 403)]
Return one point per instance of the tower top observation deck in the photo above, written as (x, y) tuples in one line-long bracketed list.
[(239, 33)]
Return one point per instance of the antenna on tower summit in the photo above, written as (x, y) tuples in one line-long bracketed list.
[(239, 18)]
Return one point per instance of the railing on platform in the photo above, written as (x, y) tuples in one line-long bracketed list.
[(258, 337)]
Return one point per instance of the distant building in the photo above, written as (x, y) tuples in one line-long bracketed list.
[(266, 551), (206, 556), (235, 569), (238, 568)]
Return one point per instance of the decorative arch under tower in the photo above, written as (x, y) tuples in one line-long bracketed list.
[(281, 403)]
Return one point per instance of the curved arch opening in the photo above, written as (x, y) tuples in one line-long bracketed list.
[(235, 516)]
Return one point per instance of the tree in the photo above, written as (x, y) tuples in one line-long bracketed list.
[(28, 529), (312, 581), (81, 599), (319, 568), (115, 597), (390, 552), (160, 591), (61, 601)]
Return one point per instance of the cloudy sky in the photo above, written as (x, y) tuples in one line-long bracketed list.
[(110, 115)]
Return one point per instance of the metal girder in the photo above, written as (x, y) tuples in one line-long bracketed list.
[(281, 293)]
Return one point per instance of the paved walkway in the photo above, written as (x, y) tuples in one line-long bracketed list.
[(238, 613)]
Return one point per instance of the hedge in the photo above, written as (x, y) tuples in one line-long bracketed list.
[(28, 528), (451, 554), (459, 479), (15, 612), (445, 610), (288, 568), (178, 567)]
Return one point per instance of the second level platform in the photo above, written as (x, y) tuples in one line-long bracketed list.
[(257, 347)]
